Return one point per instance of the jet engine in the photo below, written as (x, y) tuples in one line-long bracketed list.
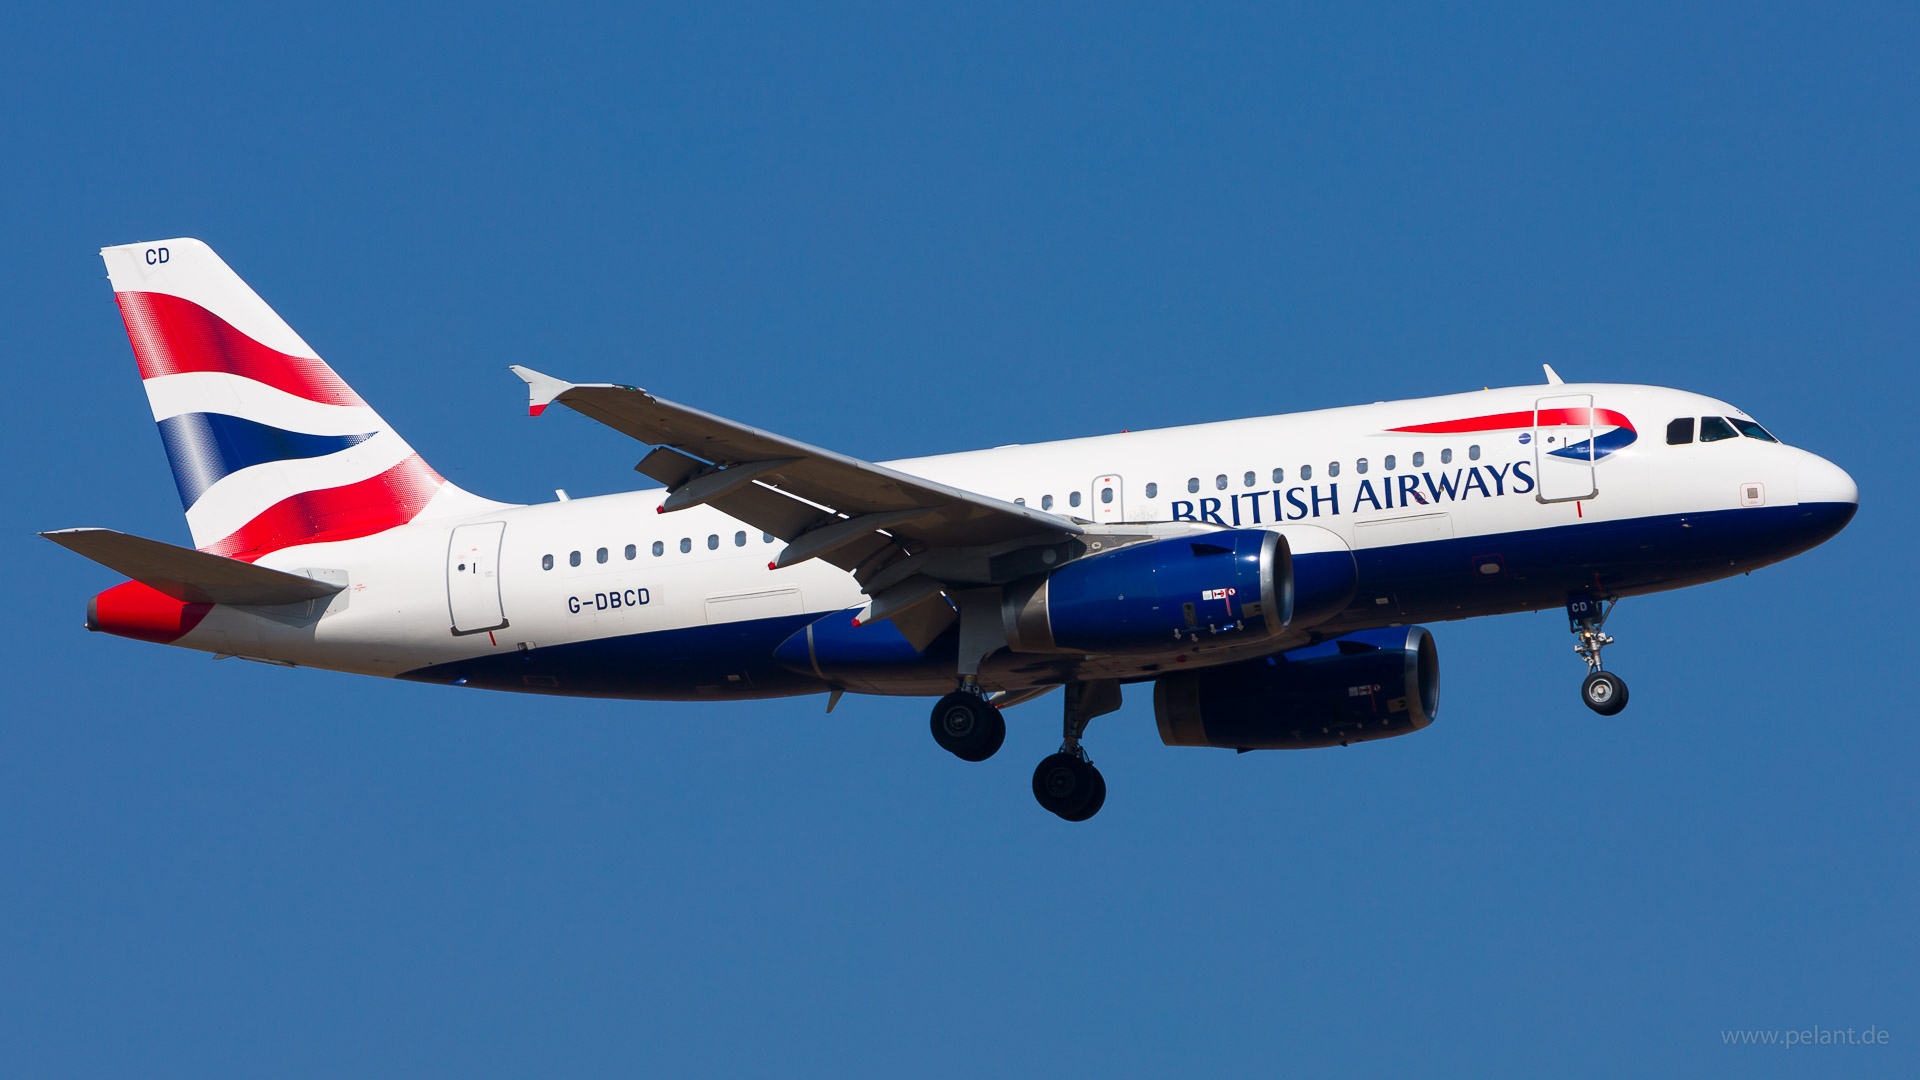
[(1371, 685), (1212, 587), (1208, 589)]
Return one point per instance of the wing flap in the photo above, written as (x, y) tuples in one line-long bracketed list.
[(195, 577)]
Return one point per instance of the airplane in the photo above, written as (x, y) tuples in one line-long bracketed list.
[(1265, 579)]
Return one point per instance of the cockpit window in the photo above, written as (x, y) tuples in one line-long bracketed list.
[(1680, 432), (1752, 430), (1715, 428)]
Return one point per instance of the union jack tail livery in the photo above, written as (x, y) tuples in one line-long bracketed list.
[(269, 447)]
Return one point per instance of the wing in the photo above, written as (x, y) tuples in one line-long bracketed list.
[(905, 538)]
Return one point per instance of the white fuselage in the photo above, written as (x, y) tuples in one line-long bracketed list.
[(613, 570)]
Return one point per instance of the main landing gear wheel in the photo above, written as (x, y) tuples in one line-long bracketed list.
[(1066, 783), (1069, 786), (967, 727), (1604, 692)]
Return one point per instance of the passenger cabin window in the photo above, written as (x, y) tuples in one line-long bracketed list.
[(1388, 464), (713, 541), (1680, 432), (659, 548), (631, 552), (1446, 456), (600, 556), (1152, 490), (1715, 428), (1193, 484), (1279, 475), (1306, 472), (1473, 452), (1333, 468), (1360, 466), (1220, 482), (1073, 499), (1752, 430), (686, 544), (1046, 502), (766, 538), (1419, 458), (1250, 479), (740, 539), (573, 559), (1106, 495), (546, 562)]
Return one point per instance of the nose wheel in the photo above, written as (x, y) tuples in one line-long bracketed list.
[(1602, 691)]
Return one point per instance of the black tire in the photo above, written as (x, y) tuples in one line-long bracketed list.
[(1604, 693), (1094, 804), (1065, 785), (967, 727)]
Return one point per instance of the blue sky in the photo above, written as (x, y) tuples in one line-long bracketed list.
[(905, 230)]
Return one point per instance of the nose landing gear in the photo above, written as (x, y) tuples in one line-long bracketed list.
[(1603, 691)]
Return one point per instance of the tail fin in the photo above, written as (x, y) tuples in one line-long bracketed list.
[(270, 448)]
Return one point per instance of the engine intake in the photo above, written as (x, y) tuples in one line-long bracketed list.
[(1215, 587), (1371, 685)]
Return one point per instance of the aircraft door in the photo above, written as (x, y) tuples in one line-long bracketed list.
[(1563, 447), (473, 578), (1108, 501)]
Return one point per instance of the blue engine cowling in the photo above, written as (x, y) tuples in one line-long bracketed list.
[(1371, 685), (1216, 587)]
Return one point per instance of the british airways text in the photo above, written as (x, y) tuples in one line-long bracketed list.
[(1381, 493)]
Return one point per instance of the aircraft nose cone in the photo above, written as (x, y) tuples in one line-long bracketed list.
[(1821, 481)]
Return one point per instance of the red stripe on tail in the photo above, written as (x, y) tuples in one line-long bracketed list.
[(369, 506), (171, 335)]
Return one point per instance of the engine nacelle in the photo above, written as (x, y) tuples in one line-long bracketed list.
[(1215, 587), (1371, 685)]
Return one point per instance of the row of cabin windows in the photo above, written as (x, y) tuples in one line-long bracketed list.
[(1250, 477), (1714, 429), (1360, 466), (1389, 463), (659, 548), (1279, 475)]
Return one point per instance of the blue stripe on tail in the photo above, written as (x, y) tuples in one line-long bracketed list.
[(205, 447)]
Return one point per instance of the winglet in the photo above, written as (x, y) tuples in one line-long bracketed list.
[(541, 388), (1553, 377)]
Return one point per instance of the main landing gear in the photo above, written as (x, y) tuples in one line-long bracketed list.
[(1066, 783), (966, 726), (1603, 691)]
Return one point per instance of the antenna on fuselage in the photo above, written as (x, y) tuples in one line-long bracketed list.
[(1553, 377)]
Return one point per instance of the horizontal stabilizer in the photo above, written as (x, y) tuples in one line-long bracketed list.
[(192, 576)]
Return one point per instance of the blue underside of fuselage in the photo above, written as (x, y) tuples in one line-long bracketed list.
[(1426, 582)]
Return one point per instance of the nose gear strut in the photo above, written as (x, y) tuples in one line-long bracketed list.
[(1602, 691)]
